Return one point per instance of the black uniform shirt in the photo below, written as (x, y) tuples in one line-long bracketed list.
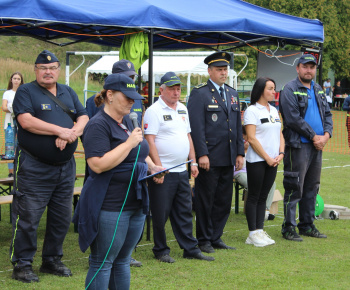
[(31, 99)]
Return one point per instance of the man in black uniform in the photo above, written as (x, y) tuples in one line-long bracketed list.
[(44, 168), (307, 127), (216, 126)]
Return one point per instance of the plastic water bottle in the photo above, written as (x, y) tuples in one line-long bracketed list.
[(9, 142)]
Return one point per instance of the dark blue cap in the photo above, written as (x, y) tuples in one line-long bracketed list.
[(125, 67), (122, 83), (219, 58), (307, 58), (45, 57), (170, 79)]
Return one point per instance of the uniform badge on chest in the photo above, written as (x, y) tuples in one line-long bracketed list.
[(214, 117), (167, 117), (46, 107)]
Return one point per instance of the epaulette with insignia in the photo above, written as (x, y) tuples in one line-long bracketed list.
[(200, 85), (229, 86)]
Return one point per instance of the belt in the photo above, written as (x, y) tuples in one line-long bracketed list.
[(43, 161)]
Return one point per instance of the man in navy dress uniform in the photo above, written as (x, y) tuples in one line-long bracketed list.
[(215, 119)]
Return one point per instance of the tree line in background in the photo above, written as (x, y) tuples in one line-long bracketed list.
[(334, 15)]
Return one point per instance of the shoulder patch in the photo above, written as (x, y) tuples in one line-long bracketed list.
[(200, 85)]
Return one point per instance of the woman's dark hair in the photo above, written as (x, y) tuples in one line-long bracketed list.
[(100, 98), (259, 88), (10, 85)]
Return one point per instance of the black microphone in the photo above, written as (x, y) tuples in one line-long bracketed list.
[(133, 118)]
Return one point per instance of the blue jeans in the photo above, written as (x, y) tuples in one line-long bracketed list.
[(115, 272)]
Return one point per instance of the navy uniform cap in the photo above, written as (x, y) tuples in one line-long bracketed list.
[(125, 67), (219, 58), (45, 57), (307, 58), (170, 79), (122, 83)]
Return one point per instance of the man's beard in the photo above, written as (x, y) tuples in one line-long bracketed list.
[(307, 81)]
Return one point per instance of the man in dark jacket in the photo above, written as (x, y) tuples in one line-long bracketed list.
[(216, 126), (308, 126)]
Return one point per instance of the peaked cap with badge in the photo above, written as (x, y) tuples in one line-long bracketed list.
[(219, 58), (46, 57)]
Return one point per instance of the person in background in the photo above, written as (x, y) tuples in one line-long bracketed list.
[(327, 86), (44, 168), (241, 175), (265, 152), (307, 127), (117, 156), (337, 94), (15, 81), (145, 89), (346, 107)]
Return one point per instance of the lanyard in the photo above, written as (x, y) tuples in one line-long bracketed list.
[(124, 128)]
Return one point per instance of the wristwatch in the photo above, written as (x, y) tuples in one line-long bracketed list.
[(194, 164)]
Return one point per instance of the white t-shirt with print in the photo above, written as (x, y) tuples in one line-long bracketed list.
[(268, 128)]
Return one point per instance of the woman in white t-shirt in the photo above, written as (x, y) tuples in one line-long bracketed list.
[(15, 81), (266, 150)]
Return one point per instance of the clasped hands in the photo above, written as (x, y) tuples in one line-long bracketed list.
[(66, 136)]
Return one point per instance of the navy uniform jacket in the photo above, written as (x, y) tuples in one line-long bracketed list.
[(216, 128)]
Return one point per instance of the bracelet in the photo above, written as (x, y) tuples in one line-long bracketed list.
[(282, 153), (194, 164)]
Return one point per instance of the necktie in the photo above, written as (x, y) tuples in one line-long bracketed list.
[(222, 94)]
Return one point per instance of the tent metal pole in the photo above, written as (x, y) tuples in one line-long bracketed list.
[(320, 66), (150, 68), (68, 53), (139, 80)]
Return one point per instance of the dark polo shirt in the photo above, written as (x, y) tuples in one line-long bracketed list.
[(31, 99)]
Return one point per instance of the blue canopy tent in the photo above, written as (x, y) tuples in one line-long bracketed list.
[(220, 24)]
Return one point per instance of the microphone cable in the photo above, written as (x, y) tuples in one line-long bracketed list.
[(116, 226)]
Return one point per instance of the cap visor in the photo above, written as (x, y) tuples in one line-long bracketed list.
[(129, 73), (133, 95), (219, 63), (172, 83)]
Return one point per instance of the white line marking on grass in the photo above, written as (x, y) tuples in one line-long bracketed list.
[(328, 167)]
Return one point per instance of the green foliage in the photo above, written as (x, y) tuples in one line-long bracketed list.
[(335, 18)]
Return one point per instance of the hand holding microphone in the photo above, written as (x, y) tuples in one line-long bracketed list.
[(136, 135)]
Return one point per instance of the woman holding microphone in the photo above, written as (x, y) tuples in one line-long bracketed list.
[(111, 210)]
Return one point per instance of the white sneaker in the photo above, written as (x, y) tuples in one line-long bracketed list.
[(267, 215), (257, 240), (267, 238)]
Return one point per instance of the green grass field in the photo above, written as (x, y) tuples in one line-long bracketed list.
[(312, 264)]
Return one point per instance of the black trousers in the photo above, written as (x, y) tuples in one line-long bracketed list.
[(302, 174), (260, 179), (36, 186), (213, 194), (172, 199)]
